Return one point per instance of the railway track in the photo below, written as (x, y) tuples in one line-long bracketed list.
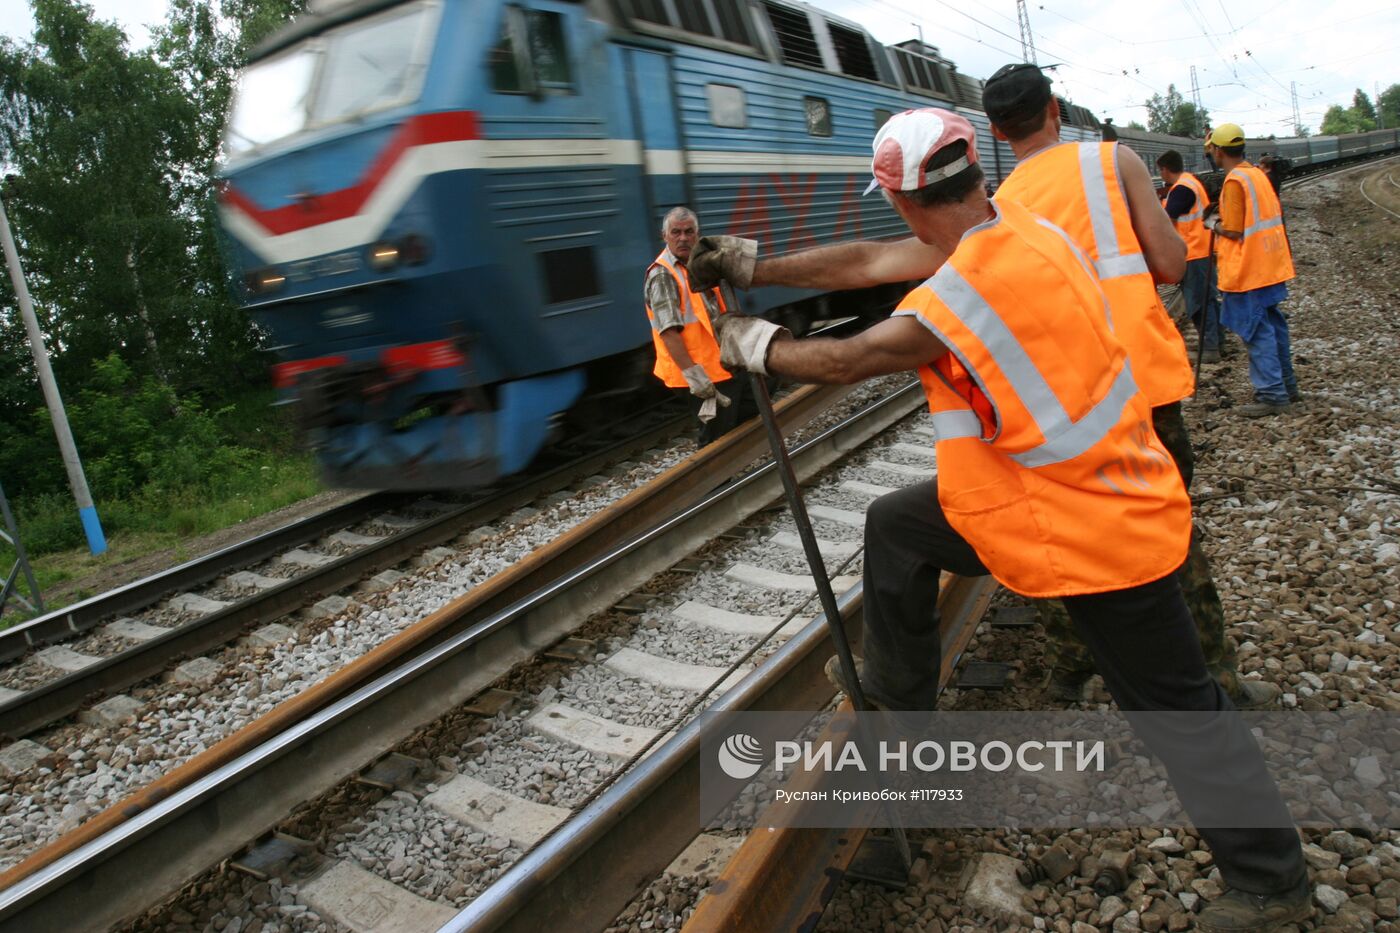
[(486, 644), (55, 663)]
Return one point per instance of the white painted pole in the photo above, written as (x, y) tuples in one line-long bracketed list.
[(87, 512)]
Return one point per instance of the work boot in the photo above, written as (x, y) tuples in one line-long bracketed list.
[(1262, 409), (906, 722), (1067, 686), (837, 675), (1210, 355), (1254, 695), (1238, 911)]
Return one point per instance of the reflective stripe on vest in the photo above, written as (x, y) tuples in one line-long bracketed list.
[(1112, 262), (1262, 257), (697, 332), (948, 425), (1064, 448), (1065, 437), (1077, 187), (1191, 227)]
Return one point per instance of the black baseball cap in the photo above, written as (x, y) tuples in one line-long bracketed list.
[(1017, 90)]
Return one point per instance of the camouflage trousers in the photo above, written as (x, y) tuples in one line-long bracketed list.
[(1070, 658)]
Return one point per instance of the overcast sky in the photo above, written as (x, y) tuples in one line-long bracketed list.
[(1113, 56)]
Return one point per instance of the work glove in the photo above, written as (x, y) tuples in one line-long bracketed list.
[(722, 258), (743, 341), (703, 388)]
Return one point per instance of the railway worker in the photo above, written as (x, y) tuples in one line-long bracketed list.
[(682, 328), (1186, 205), (1054, 181), (1254, 264), (1037, 457)]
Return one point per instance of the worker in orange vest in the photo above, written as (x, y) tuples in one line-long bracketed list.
[(1101, 195), (1253, 265), (682, 329), (1186, 205), (1038, 457)]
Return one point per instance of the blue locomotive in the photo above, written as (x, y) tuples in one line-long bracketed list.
[(441, 210)]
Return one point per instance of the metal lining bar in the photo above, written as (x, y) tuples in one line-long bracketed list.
[(150, 844)]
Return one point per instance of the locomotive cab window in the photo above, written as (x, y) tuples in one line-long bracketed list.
[(531, 56)]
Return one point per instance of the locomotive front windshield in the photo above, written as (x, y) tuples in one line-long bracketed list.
[(353, 70)]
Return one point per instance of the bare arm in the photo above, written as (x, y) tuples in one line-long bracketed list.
[(675, 345), (858, 264), (1162, 246), (894, 345)]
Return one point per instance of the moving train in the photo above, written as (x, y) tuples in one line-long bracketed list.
[(441, 210)]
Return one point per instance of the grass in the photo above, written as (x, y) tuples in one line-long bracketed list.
[(271, 471)]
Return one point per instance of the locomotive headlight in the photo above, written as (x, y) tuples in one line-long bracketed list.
[(264, 281), (383, 256)]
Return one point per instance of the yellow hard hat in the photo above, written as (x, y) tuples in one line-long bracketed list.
[(1227, 134)]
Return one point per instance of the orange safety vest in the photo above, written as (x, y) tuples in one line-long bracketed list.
[(1192, 226), (1095, 214), (1262, 258), (1047, 462), (697, 332)]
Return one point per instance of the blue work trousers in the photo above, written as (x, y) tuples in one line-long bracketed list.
[(1198, 288), (1271, 358)]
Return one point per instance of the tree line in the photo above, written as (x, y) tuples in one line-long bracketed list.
[(1171, 113), (1363, 116), (109, 155)]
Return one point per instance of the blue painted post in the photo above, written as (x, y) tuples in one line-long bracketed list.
[(87, 512)]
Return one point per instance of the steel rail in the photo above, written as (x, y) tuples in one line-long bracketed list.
[(81, 616), (45, 704), (147, 846), (584, 874), (783, 879)]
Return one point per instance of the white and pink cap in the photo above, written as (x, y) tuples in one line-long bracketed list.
[(907, 141)]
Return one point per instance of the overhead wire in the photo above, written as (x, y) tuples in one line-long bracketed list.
[(1195, 11)]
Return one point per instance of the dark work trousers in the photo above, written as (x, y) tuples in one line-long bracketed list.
[(1143, 642), (742, 407), (1068, 654)]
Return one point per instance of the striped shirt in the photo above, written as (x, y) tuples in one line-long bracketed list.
[(665, 300)]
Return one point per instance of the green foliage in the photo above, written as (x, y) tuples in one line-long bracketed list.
[(1339, 120), (154, 460), (1363, 116), (1388, 103), (113, 153), (1361, 105), (1135, 125), (1175, 115)]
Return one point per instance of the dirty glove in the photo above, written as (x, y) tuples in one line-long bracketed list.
[(743, 341), (722, 258), (703, 388)]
